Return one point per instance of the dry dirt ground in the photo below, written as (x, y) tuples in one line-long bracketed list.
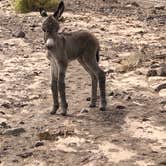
[(132, 132)]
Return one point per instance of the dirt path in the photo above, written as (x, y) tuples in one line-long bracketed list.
[(132, 132)]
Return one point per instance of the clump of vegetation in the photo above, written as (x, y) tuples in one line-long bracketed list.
[(131, 62), (23, 6)]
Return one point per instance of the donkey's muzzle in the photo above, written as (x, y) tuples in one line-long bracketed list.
[(49, 43)]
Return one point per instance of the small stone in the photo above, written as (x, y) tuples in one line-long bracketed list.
[(19, 34), (26, 56), (102, 29), (162, 163), (159, 7), (14, 131), (84, 110), (2, 120), (163, 148), (15, 161), (22, 122), (135, 4), (163, 102), (39, 143), (110, 71), (6, 105), (1, 112), (163, 111), (111, 94), (151, 73), (120, 107), (88, 99), (127, 97), (4, 125), (25, 154), (145, 119), (155, 66)]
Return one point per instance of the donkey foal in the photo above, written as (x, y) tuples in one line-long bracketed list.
[(65, 47)]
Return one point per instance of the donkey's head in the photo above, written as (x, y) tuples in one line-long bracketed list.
[(50, 25)]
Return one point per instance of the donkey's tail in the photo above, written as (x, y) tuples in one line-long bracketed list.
[(97, 55)]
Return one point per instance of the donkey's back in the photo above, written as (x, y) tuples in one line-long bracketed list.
[(79, 43)]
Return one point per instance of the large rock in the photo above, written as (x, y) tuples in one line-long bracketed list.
[(14, 131), (160, 87), (19, 34), (162, 71)]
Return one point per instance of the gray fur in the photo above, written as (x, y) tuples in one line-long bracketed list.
[(65, 47)]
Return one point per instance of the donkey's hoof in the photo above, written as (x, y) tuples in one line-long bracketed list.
[(54, 109), (64, 113), (92, 105), (102, 108), (53, 112)]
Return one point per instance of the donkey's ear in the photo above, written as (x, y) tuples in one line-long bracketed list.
[(58, 12), (43, 12)]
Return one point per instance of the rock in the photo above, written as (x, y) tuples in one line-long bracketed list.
[(163, 111), (151, 73), (84, 110), (159, 7), (111, 94), (25, 154), (1, 112), (120, 107), (110, 71), (4, 125), (14, 131), (163, 102), (88, 99), (145, 119), (26, 56), (6, 105), (127, 97), (102, 29), (2, 120), (155, 66), (160, 87), (164, 107), (19, 34), (135, 4), (47, 136), (162, 71), (162, 163), (21, 122), (39, 143)]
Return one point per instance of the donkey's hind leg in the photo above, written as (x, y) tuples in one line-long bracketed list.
[(100, 74), (94, 83)]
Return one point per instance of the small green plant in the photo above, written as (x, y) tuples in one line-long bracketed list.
[(23, 6)]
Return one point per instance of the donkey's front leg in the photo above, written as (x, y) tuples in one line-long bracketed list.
[(54, 87), (61, 86)]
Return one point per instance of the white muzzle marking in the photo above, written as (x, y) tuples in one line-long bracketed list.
[(49, 42)]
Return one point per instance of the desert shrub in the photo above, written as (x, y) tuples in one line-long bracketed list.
[(23, 6), (135, 60)]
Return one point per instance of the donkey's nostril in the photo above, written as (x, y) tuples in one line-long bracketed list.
[(49, 43)]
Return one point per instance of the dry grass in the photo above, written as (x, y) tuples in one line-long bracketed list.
[(133, 61)]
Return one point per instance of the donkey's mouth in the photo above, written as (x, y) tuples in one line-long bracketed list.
[(49, 43)]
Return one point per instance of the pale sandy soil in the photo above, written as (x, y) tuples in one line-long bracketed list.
[(133, 135)]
